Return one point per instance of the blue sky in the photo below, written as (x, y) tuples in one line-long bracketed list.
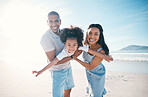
[(23, 22), (124, 21)]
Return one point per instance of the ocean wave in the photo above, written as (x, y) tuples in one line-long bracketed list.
[(129, 53), (130, 56), (131, 59)]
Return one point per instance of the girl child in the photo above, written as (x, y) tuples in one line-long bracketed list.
[(72, 38)]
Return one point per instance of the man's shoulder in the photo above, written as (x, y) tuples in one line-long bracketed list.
[(47, 34), (45, 37)]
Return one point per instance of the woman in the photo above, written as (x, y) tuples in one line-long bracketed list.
[(95, 70)]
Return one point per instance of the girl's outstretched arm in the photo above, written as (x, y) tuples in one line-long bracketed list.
[(46, 67), (108, 58), (59, 57)]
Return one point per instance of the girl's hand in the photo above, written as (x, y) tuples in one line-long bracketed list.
[(38, 73), (84, 48), (108, 58)]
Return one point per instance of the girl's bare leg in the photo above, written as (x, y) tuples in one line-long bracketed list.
[(67, 93)]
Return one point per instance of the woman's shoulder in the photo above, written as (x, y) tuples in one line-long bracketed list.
[(100, 49)]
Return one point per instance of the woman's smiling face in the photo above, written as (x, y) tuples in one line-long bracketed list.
[(93, 35)]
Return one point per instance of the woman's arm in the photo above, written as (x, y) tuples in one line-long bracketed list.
[(94, 63), (52, 63)]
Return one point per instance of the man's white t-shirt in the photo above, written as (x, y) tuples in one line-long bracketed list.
[(50, 41)]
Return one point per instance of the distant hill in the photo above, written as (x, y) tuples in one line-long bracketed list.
[(134, 47)]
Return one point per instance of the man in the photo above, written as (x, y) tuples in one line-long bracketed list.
[(52, 45)]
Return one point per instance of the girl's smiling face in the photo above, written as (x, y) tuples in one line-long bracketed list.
[(93, 35), (71, 45)]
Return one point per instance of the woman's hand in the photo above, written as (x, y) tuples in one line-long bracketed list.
[(38, 73), (77, 53)]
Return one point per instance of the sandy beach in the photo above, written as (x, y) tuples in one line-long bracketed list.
[(16, 80)]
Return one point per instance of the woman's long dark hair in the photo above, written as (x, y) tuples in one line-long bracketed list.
[(101, 40)]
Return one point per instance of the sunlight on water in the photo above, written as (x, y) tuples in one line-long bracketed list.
[(130, 55)]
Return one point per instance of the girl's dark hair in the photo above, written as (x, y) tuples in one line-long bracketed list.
[(72, 32), (101, 40)]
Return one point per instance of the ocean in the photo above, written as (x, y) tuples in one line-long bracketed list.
[(124, 61), (128, 61), (130, 55)]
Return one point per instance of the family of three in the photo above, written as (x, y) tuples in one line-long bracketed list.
[(64, 45)]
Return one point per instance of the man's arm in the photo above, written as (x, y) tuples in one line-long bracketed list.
[(50, 55)]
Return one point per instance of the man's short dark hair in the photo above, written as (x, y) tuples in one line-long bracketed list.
[(53, 13)]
